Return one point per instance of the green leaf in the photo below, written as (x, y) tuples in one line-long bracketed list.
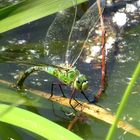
[(35, 123), (29, 10)]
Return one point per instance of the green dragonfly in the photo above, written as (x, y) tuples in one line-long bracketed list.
[(63, 47)]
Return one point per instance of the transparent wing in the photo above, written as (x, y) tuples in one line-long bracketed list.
[(82, 31), (58, 34)]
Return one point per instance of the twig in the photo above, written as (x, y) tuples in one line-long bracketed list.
[(102, 87)]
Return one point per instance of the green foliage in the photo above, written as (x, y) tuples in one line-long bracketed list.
[(29, 10)]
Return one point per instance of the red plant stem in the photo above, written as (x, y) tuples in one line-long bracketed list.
[(75, 120), (102, 87), (103, 63), (72, 123)]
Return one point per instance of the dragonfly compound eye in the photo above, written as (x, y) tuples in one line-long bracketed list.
[(84, 85), (81, 83)]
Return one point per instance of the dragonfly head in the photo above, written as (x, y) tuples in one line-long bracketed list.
[(81, 82)]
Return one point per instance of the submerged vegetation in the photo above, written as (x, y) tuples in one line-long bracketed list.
[(73, 44)]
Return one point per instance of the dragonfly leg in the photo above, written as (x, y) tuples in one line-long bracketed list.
[(85, 96), (51, 90), (73, 97), (59, 87)]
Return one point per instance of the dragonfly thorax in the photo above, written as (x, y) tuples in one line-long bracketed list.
[(81, 82), (71, 77)]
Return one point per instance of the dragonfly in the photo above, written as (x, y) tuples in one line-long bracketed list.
[(63, 47)]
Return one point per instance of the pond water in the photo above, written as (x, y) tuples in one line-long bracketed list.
[(26, 43)]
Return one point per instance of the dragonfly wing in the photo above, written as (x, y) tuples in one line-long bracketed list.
[(82, 31), (57, 37)]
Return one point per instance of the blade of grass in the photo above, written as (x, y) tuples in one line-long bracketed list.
[(35, 123), (28, 11), (123, 102)]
